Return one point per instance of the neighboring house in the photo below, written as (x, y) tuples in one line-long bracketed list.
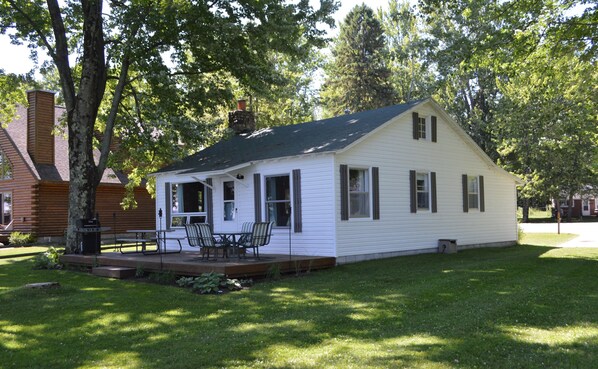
[(583, 205), (368, 185), (34, 177)]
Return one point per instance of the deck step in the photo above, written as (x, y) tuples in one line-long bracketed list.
[(114, 272)]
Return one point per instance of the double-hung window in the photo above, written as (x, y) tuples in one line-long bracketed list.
[(188, 203), (473, 192), (423, 191), (229, 200), (422, 128), (359, 193), (278, 200), (6, 202)]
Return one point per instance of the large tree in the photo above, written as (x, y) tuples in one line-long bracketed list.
[(150, 67), (411, 75), (358, 78)]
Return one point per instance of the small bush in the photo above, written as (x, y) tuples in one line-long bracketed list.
[(162, 277), (211, 283), (48, 260), (20, 239)]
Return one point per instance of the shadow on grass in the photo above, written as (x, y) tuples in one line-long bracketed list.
[(513, 307)]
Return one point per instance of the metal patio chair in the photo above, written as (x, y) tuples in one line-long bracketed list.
[(260, 236)]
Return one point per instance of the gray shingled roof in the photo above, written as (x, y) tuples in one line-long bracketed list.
[(328, 135), (59, 171)]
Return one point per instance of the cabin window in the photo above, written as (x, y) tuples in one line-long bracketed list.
[(359, 193), (423, 191), (278, 200), (473, 192), (188, 203), (229, 200), (6, 200), (5, 167), (422, 128)]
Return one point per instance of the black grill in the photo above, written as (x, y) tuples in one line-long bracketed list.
[(89, 236)]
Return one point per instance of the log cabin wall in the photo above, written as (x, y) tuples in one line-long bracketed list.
[(22, 186), (53, 209)]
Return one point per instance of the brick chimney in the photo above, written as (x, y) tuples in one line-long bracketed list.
[(40, 123), (241, 120)]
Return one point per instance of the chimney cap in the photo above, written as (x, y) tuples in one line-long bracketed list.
[(241, 104), (41, 90)]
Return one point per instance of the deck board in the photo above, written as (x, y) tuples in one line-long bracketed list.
[(190, 264)]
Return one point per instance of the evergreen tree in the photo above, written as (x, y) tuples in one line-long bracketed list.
[(357, 78)]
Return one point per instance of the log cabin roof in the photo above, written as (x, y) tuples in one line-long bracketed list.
[(59, 171)]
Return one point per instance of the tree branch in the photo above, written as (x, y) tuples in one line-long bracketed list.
[(61, 56)]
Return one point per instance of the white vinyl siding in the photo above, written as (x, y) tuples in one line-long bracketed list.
[(394, 150)]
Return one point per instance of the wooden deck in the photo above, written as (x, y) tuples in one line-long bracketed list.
[(189, 263)]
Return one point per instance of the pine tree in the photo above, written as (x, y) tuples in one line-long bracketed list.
[(357, 78)]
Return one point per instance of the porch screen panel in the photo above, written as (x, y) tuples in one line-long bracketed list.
[(168, 204), (434, 129), (376, 193), (210, 203), (297, 215), (481, 189), (465, 193), (344, 191), (434, 195), (257, 196), (413, 190), (415, 125)]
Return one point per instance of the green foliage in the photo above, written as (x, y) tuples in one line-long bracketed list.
[(274, 272), (358, 78), (410, 77), (20, 239), (49, 259), (212, 283)]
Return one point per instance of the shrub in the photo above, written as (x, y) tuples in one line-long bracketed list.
[(48, 260), (20, 239), (211, 283), (162, 277)]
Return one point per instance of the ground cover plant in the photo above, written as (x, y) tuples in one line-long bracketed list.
[(519, 307)]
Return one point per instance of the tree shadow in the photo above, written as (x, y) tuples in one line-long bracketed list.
[(513, 307)]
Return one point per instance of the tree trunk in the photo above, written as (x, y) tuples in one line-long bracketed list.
[(525, 210), (84, 174)]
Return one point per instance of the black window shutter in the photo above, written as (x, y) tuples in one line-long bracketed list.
[(481, 184), (167, 204), (413, 191), (433, 188), (434, 129), (210, 203), (376, 192), (415, 125), (344, 191), (297, 220), (465, 194), (257, 196)]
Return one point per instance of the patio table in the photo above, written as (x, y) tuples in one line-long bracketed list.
[(157, 235), (233, 239)]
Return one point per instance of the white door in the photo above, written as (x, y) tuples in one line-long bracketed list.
[(585, 207)]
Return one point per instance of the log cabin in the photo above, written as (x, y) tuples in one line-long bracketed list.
[(34, 177)]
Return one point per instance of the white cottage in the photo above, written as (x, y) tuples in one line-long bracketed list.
[(374, 184)]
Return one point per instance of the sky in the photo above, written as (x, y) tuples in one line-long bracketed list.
[(15, 58)]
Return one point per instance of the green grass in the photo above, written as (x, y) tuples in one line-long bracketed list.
[(518, 307), (546, 239), (6, 252)]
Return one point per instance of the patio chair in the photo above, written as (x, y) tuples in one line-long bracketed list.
[(260, 236), (209, 242), (246, 228), (200, 235)]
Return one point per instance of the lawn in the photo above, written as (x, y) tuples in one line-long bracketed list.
[(518, 307)]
